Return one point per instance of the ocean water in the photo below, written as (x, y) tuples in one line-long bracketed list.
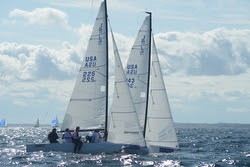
[(200, 145)]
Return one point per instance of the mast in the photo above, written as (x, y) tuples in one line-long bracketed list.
[(149, 65), (107, 73)]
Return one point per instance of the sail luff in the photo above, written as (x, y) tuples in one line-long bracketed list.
[(107, 73), (149, 62)]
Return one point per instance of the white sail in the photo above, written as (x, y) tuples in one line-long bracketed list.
[(37, 123), (87, 106), (124, 126), (136, 69), (160, 129)]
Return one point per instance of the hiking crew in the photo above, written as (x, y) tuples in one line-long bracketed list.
[(77, 140), (52, 137)]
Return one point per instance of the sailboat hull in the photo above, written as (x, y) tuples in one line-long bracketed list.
[(87, 148), (135, 149), (160, 149)]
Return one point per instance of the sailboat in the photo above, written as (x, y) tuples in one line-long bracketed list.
[(3, 123), (37, 123), (54, 122), (150, 98), (88, 106)]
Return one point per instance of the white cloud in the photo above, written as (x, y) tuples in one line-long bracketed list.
[(43, 16), (30, 62), (45, 73), (216, 52)]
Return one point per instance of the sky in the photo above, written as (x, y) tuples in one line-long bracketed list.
[(203, 47)]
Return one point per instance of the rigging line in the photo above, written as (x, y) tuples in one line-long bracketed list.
[(157, 90), (116, 91), (139, 46), (154, 68), (160, 117), (142, 81), (96, 68), (152, 96), (139, 102), (125, 112), (149, 129), (100, 73), (121, 81), (112, 120)]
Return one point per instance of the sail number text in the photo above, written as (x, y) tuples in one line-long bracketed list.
[(131, 82), (90, 62), (131, 70), (88, 76)]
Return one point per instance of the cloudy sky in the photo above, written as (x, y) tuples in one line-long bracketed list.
[(203, 46)]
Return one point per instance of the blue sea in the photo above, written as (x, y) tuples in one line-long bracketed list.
[(200, 145)]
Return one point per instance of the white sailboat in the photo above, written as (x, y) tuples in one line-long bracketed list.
[(150, 99), (88, 106), (54, 122), (124, 126), (37, 123)]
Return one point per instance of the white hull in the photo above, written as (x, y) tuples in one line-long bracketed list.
[(87, 148)]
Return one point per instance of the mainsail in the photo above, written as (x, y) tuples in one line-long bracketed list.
[(137, 68), (124, 126), (160, 129), (87, 107)]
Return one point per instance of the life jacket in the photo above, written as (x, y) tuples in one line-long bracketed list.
[(77, 134), (69, 136)]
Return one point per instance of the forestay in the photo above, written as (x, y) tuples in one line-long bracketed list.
[(136, 69), (87, 105), (160, 129), (124, 126)]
